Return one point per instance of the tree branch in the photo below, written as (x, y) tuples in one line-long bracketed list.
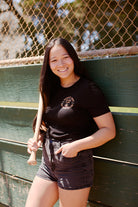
[(28, 28)]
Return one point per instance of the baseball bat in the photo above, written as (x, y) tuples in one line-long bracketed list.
[(32, 158)]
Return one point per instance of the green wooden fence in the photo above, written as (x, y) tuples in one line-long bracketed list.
[(116, 163)]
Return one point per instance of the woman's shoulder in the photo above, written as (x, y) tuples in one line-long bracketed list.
[(89, 84), (94, 99), (91, 88)]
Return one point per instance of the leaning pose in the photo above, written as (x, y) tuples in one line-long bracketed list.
[(77, 119)]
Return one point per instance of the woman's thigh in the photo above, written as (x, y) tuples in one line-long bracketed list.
[(43, 193), (73, 198)]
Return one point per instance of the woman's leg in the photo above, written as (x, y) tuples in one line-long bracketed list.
[(73, 198), (43, 193)]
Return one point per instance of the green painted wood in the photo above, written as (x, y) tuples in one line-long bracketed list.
[(115, 184), (117, 77), (125, 145), (13, 191), (19, 83), (13, 160), (16, 124)]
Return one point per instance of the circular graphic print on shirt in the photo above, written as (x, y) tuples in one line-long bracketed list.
[(68, 102)]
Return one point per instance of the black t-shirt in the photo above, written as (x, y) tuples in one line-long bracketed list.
[(70, 112)]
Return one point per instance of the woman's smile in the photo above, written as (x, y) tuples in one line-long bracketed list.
[(63, 70)]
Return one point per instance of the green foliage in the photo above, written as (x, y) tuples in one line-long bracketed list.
[(95, 24)]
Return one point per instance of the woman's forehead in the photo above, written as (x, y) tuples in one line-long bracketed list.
[(58, 50)]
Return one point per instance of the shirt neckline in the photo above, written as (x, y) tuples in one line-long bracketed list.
[(76, 83)]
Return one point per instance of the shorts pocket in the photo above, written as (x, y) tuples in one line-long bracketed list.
[(69, 158), (65, 160)]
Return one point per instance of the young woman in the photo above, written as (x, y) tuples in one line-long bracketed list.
[(77, 119)]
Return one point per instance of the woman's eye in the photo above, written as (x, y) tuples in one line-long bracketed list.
[(66, 57), (53, 61)]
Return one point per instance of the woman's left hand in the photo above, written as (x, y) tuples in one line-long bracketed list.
[(68, 150)]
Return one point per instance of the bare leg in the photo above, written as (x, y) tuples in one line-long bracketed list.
[(43, 193), (73, 198)]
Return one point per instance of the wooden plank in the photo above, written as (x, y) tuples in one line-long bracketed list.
[(13, 160), (115, 184), (14, 191), (19, 83), (16, 124), (125, 145), (117, 77)]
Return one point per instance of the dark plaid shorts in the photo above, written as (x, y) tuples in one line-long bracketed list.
[(69, 173)]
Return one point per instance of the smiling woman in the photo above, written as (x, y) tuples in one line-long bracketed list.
[(77, 118), (62, 65)]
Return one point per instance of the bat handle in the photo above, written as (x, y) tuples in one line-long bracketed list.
[(32, 159)]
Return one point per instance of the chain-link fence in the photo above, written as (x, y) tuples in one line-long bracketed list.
[(94, 27)]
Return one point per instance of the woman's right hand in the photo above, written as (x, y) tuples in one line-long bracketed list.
[(32, 145)]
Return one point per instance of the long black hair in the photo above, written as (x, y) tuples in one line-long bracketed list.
[(49, 82)]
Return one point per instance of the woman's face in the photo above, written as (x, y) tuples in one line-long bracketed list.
[(61, 63)]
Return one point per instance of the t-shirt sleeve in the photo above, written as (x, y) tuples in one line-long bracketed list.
[(96, 102)]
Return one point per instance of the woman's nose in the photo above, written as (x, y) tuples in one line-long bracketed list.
[(60, 62)]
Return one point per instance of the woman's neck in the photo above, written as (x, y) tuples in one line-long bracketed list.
[(69, 82)]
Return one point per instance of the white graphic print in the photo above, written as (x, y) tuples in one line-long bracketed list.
[(68, 102)]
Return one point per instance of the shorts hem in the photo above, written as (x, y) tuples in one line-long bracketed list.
[(65, 188), (45, 178), (74, 188)]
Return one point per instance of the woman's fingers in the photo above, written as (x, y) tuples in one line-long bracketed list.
[(39, 143), (58, 151), (29, 151), (33, 145), (67, 150)]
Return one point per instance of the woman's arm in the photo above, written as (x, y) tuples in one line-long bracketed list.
[(105, 133)]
